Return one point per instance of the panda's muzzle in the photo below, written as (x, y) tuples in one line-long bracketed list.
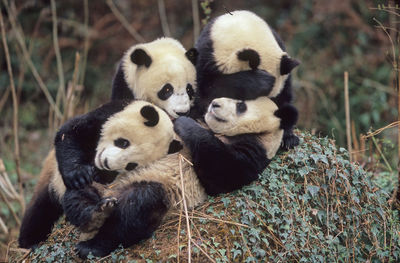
[(131, 166)]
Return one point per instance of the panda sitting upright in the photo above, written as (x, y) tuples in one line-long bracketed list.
[(117, 128), (161, 72), (146, 194), (239, 46)]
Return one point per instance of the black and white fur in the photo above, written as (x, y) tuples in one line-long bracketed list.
[(138, 133), (231, 46), (161, 72), (146, 194)]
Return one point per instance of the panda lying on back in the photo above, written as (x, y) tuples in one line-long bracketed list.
[(116, 129), (146, 194)]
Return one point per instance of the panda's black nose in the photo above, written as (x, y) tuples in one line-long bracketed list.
[(215, 105), (182, 113)]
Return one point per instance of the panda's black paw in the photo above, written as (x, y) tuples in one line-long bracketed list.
[(290, 141), (185, 127), (288, 115), (83, 249), (79, 176)]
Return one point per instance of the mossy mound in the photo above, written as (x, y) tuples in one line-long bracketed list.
[(310, 205)]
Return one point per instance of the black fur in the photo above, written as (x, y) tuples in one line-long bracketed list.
[(120, 88), (140, 210), (79, 205), (287, 65), (251, 56), (141, 58), (76, 143), (288, 115), (174, 146), (243, 85), (151, 115), (222, 167), (192, 54), (42, 212)]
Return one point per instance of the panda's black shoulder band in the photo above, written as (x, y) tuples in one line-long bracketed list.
[(150, 114)]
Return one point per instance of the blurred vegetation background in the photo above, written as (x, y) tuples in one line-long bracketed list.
[(70, 49)]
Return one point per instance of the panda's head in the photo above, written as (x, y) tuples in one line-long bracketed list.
[(163, 73), (233, 117), (241, 40), (135, 136)]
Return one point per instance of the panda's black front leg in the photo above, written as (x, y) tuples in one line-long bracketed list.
[(191, 132), (141, 208), (221, 167), (288, 115)]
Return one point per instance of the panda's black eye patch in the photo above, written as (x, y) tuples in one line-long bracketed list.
[(190, 91), (241, 107), (122, 143), (166, 92)]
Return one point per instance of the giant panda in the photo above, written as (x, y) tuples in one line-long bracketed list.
[(239, 44), (146, 194), (117, 128), (161, 72)]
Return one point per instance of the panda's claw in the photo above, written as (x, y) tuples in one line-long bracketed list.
[(290, 141), (108, 203)]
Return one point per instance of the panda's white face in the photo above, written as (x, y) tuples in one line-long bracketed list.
[(233, 117), (162, 74), (136, 136)]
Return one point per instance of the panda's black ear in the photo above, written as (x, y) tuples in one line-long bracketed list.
[(151, 115), (287, 64), (140, 58), (251, 56), (175, 146), (192, 55)]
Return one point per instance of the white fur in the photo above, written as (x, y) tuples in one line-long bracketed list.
[(146, 143), (240, 30), (169, 65), (259, 116)]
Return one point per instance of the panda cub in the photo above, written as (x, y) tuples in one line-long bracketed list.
[(146, 194), (117, 128), (235, 47), (161, 72)]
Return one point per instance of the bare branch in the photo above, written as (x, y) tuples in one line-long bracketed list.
[(15, 112), (20, 38), (196, 20), (61, 88), (125, 22), (163, 18), (86, 43)]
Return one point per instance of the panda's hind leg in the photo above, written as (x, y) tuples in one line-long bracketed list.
[(140, 210), (42, 212)]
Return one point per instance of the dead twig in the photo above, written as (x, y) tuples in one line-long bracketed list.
[(60, 70), (347, 108), (196, 20), (163, 18), (21, 41), (125, 22), (15, 118), (86, 41), (186, 210)]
